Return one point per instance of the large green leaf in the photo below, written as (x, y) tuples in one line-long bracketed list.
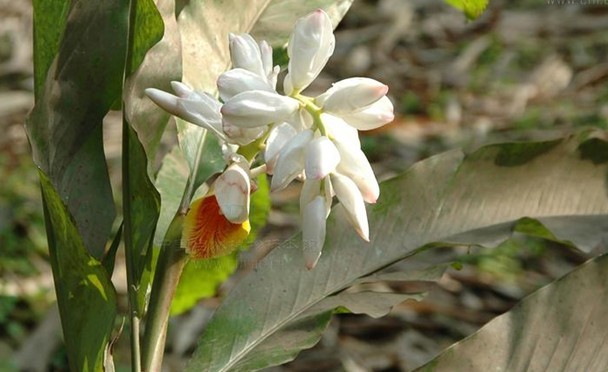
[(561, 327), (447, 198), (64, 128), (49, 22), (158, 67), (278, 19), (86, 297), (141, 200)]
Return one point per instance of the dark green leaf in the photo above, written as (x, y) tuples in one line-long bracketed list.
[(86, 297), (49, 22), (448, 198), (64, 128), (561, 327)]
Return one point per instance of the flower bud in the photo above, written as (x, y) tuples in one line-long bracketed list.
[(232, 192), (200, 109), (310, 46), (350, 95), (349, 195), (372, 117), (313, 230), (355, 166), (238, 80), (277, 138), (245, 53), (290, 161), (256, 108), (322, 157)]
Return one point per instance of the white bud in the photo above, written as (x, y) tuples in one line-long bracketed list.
[(278, 137), (355, 165), (310, 46), (232, 192), (238, 80), (372, 117), (256, 108), (313, 230), (349, 195), (350, 95), (245, 53), (322, 157), (290, 161)]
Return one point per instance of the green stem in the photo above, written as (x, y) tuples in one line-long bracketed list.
[(132, 286), (314, 110), (169, 267)]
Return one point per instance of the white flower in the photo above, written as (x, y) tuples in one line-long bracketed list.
[(351, 95), (278, 137), (197, 108), (310, 46), (313, 230), (232, 190), (291, 159), (256, 108), (350, 197), (322, 157)]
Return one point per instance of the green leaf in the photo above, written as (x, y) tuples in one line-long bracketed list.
[(447, 198), (277, 21), (49, 19), (560, 327), (471, 8), (141, 206), (156, 69), (64, 128), (86, 297)]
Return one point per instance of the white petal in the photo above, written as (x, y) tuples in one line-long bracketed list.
[(374, 116), (355, 165), (322, 157), (266, 54), (350, 95), (232, 192), (291, 160), (238, 80), (310, 190), (277, 138), (340, 131), (310, 46), (245, 53), (240, 135), (200, 109), (349, 195), (256, 108), (313, 230)]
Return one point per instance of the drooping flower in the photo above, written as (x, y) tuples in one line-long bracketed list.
[(313, 139), (207, 233)]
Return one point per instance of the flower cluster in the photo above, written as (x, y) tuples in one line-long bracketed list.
[(312, 139)]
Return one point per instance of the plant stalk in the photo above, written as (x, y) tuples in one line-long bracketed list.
[(132, 286), (169, 267)]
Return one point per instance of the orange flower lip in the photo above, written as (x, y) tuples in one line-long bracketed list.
[(208, 234)]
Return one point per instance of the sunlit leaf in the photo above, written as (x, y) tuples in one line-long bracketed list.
[(278, 19), (86, 297), (453, 198), (561, 327), (471, 8)]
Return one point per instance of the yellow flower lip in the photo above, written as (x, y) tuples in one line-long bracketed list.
[(208, 234)]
